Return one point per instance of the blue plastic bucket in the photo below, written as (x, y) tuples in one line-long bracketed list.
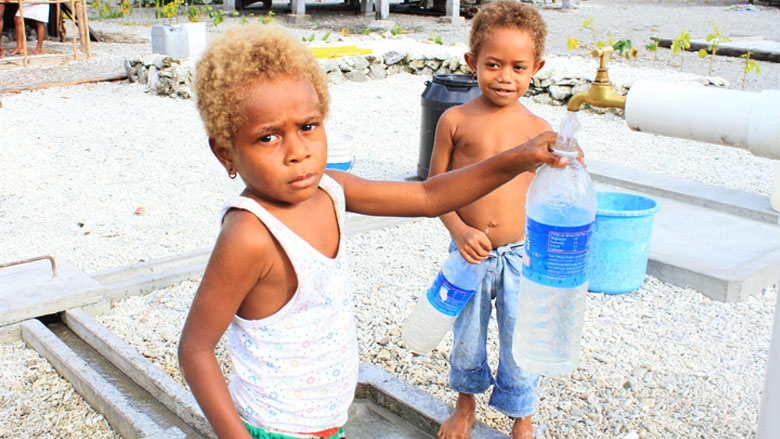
[(620, 242)]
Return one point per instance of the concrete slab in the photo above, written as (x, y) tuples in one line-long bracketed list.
[(752, 43), (731, 201), (139, 369), (720, 242), (30, 290), (95, 388)]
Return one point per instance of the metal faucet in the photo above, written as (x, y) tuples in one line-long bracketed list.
[(600, 93)]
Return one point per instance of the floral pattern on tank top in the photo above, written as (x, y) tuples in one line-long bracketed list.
[(296, 370)]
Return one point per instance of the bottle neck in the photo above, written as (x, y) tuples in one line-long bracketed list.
[(569, 154)]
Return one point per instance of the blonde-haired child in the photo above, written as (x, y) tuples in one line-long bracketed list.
[(278, 277)]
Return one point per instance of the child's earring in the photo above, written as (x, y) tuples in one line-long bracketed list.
[(474, 76), (232, 174)]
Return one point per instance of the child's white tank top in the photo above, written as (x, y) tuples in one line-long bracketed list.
[(296, 370)]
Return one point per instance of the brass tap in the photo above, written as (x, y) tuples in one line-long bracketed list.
[(600, 93)]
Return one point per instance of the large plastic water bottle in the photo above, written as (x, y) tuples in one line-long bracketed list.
[(560, 212), (437, 309)]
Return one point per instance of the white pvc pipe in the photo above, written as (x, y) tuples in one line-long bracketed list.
[(716, 115)]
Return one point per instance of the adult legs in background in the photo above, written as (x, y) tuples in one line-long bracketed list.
[(39, 29), (2, 12), (18, 26)]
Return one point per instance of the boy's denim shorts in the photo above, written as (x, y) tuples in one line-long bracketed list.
[(514, 391)]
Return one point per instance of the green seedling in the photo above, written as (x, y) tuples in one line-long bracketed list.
[(397, 30), (436, 39), (126, 8), (326, 36), (715, 39), (680, 43), (268, 17), (589, 24), (365, 31), (309, 39), (217, 16), (750, 65), (625, 48), (193, 14), (105, 10), (652, 47), (609, 41)]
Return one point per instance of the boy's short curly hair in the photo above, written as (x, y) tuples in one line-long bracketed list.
[(507, 13), (235, 60)]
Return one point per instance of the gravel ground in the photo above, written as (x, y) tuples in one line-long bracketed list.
[(663, 362)]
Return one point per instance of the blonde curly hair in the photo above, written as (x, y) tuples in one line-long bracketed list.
[(511, 14), (234, 61)]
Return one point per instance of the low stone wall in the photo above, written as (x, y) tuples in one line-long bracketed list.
[(167, 76)]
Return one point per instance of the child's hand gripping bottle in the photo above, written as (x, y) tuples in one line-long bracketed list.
[(560, 212), (437, 309)]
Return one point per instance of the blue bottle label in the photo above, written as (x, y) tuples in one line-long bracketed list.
[(556, 256), (446, 297)]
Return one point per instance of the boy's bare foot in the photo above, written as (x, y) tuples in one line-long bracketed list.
[(16, 51), (523, 428), (458, 426)]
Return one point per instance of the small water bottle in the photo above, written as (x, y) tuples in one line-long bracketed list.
[(560, 212), (437, 309)]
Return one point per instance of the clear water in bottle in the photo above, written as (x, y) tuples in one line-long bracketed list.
[(438, 307), (560, 212)]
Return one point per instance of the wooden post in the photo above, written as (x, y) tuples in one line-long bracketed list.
[(86, 27), (75, 31), (24, 34), (80, 23), (768, 419)]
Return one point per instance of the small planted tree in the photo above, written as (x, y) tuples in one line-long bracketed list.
[(750, 65), (715, 39), (652, 47), (680, 43)]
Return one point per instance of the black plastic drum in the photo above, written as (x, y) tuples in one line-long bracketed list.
[(441, 93)]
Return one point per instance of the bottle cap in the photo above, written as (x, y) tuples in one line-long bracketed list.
[(565, 143)]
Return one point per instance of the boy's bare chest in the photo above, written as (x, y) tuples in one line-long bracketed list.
[(475, 143)]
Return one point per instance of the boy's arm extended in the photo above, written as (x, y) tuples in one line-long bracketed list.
[(235, 266), (449, 191), (473, 244)]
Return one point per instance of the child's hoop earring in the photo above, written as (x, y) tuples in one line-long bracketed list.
[(474, 76), (232, 174)]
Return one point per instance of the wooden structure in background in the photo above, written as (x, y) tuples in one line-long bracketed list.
[(78, 18)]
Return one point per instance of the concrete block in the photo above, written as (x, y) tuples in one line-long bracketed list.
[(451, 20), (93, 387), (30, 290), (692, 192), (139, 369), (411, 404)]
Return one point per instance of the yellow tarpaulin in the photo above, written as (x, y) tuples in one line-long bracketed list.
[(338, 51)]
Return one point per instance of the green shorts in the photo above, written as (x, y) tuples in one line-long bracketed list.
[(259, 433)]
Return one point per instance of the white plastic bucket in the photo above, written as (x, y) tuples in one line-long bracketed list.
[(341, 153), (181, 41)]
